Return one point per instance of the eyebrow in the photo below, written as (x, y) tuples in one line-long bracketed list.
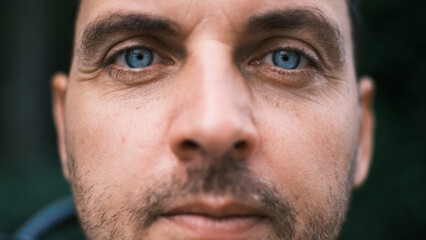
[(103, 29), (324, 30)]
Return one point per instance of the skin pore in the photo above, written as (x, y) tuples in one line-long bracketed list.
[(213, 140)]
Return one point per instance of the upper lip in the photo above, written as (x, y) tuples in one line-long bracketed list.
[(216, 207)]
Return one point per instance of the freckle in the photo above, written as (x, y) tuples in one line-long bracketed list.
[(297, 114), (123, 139), (93, 156), (137, 108)]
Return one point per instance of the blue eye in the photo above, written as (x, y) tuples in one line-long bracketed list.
[(139, 57), (286, 59)]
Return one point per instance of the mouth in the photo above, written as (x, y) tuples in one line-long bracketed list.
[(216, 216)]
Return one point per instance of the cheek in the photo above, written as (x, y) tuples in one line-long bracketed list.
[(117, 144), (308, 148)]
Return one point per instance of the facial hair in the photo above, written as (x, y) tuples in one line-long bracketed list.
[(221, 176)]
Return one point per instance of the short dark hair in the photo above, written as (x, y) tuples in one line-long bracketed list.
[(354, 15), (353, 10)]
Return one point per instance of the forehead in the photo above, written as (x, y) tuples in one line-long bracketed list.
[(220, 15)]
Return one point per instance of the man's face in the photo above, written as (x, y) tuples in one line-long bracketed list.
[(225, 119)]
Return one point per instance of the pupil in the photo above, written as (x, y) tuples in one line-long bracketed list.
[(285, 57), (139, 58)]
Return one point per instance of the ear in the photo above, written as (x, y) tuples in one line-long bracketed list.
[(59, 87), (365, 145)]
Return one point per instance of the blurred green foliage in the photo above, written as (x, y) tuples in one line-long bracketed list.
[(392, 203)]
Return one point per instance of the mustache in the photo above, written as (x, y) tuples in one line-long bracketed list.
[(220, 176)]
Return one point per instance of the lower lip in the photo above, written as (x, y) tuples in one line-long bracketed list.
[(207, 226)]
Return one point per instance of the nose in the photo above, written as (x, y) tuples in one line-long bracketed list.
[(215, 116)]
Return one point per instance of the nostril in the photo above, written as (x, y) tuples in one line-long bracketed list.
[(189, 145), (240, 145)]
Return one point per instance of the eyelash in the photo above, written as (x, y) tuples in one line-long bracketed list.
[(125, 73), (129, 75), (109, 60), (312, 61)]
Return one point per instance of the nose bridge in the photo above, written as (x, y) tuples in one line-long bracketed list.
[(217, 117), (220, 84)]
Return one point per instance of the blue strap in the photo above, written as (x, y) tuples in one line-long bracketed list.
[(46, 219)]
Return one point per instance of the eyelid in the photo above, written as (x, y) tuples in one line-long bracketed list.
[(118, 57), (148, 42), (134, 76), (311, 60), (277, 43), (164, 62), (303, 77)]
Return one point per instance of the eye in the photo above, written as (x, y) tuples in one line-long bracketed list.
[(286, 59), (136, 57), (139, 57)]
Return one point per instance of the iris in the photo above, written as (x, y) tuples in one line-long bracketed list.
[(286, 59), (139, 58)]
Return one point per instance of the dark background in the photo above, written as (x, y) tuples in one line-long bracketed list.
[(391, 205)]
